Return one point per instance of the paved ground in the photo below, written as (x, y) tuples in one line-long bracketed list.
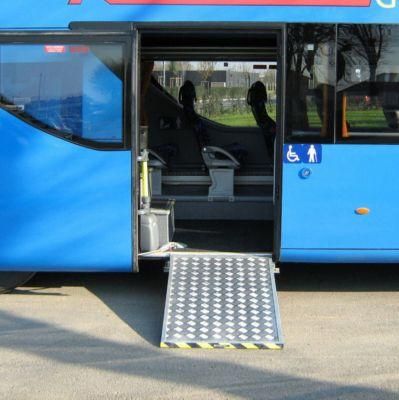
[(96, 336)]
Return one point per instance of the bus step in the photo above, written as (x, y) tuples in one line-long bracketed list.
[(221, 300)]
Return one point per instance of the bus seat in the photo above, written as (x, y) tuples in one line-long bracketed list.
[(158, 161), (220, 162), (164, 153), (257, 99)]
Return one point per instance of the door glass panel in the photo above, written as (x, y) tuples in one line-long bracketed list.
[(74, 90)]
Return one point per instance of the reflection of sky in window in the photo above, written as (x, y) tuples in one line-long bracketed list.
[(69, 91), (94, 68), (389, 62), (28, 72)]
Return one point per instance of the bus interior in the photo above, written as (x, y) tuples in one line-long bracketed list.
[(209, 116)]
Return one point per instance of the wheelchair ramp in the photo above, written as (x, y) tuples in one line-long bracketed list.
[(221, 300)]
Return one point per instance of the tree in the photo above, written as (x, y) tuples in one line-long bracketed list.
[(173, 67), (246, 69), (303, 44), (206, 69), (184, 66), (366, 42)]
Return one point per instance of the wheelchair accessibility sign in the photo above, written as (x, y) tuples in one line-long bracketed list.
[(303, 153)]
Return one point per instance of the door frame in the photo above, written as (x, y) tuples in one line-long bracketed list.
[(279, 144), (132, 107), (280, 30)]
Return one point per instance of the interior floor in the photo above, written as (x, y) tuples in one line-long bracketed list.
[(202, 190), (229, 236)]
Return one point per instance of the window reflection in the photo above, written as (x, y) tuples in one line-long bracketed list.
[(73, 89), (310, 82), (368, 81)]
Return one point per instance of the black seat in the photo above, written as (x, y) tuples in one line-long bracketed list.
[(213, 156), (257, 99), (220, 162)]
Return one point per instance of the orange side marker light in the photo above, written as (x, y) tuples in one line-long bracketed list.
[(362, 211)]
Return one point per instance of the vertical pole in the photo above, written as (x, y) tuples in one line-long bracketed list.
[(324, 128), (164, 74), (345, 133)]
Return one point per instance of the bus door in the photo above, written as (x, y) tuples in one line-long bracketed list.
[(65, 151), (340, 197)]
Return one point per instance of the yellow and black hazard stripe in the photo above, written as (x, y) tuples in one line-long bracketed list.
[(221, 345)]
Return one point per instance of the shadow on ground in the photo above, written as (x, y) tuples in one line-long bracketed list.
[(128, 294), (338, 277), (139, 301), (165, 366)]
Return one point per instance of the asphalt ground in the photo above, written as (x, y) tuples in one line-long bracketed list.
[(81, 336)]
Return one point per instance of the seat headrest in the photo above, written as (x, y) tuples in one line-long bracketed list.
[(187, 94), (257, 93)]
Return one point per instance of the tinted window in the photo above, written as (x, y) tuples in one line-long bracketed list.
[(310, 86), (368, 81), (75, 90)]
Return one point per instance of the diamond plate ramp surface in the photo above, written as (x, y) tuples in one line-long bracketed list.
[(217, 300)]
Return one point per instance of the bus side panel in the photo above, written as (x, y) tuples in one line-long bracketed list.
[(319, 213), (340, 256), (63, 207)]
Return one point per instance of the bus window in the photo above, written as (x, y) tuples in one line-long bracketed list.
[(310, 87), (221, 87), (71, 90), (368, 82)]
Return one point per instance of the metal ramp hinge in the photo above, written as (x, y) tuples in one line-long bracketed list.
[(166, 267), (273, 268)]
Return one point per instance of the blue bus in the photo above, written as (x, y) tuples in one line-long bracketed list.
[(135, 129)]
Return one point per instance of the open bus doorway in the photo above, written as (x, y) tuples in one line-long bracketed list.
[(210, 106)]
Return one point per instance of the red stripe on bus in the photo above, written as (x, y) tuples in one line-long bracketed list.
[(79, 49)]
